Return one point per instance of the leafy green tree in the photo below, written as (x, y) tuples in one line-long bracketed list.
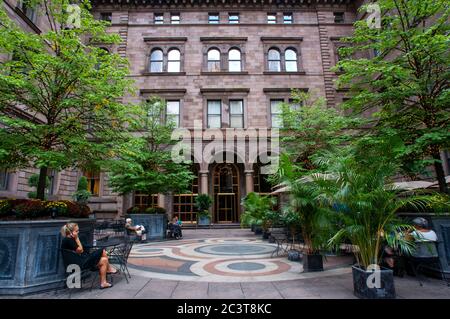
[(406, 85), (145, 163), (59, 91)]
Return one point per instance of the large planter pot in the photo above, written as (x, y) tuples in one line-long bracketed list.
[(266, 234), (30, 257), (252, 227), (312, 262), (155, 224), (258, 230), (367, 289), (204, 220)]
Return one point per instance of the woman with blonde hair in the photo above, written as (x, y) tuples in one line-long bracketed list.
[(97, 259)]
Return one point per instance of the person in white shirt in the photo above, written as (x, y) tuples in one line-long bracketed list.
[(421, 232)]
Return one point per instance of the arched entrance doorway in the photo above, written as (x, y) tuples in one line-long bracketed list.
[(226, 190)]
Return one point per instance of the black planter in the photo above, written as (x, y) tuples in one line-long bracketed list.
[(312, 262), (266, 235), (258, 230), (294, 255), (252, 227), (361, 289)]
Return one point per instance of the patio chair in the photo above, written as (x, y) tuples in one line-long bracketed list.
[(281, 239), (70, 257), (120, 256), (426, 257)]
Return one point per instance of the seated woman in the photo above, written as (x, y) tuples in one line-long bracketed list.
[(175, 227), (97, 259), (137, 230)]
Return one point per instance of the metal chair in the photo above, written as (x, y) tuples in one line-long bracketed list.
[(70, 257), (426, 256), (281, 239), (120, 256)]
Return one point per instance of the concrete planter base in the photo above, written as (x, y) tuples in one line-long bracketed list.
[(30, 259), (386, 290), (155, 224)]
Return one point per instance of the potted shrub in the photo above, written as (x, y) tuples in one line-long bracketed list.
[(203, 203), (82, 195), (256, 208)]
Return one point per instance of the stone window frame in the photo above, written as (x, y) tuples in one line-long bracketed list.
[(174, 14), (337, 44), (155, 14), (4, 185), (224, 45), (225, 95), (164, 44), (277, 94), (211, 14), (282, 44), (339, 14), (233, 13), (286, 14), (167, 95)]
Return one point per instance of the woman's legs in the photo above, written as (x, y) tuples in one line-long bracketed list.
[(109, 269), (103, 266)]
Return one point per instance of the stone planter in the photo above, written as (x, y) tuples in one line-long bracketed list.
[(362, 287), (30, 259), (312, 262), (204, 220), (155, 224)]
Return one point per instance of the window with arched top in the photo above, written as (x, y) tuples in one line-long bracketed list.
[(156, 61), (290, 57), (274, 58), (174, 61), (234, 60), (213, 60)]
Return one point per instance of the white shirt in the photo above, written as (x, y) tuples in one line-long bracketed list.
[(421, 236)]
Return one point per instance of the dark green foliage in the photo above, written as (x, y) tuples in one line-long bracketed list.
[(203, 202), (82, 195)]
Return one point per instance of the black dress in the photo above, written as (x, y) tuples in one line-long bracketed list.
[(86, 260)]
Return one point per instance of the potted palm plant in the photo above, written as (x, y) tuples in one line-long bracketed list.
[(203, 203), (312, 219), (257, 211), (367, 206)]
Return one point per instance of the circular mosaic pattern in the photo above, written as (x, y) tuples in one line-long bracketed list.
[(242, 249), (216, 260)]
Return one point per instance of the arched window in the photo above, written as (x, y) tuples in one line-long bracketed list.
[(274, 58), (156, 61), (174, 61), (234, 60), (290, 57), (213, 60)]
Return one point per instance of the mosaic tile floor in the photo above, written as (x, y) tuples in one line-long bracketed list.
[(221, 260)]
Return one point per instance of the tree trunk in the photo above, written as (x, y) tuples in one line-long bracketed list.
[(40, 193), (439, 169)]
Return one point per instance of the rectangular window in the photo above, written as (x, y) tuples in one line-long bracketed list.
[(338, 17), (52, 174), (4, 176), (106, 16), (145, 200), (173, 112), (295, 105), (159, 18), (175, 18), (214, 114), (213, 18), (271, 18), (236, 113), (287, 18), (275, 112), (93, 178), (233, 18)]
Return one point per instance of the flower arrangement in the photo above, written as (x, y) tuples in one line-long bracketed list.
[(56, 208)]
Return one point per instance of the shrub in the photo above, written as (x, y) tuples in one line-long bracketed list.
[(155, 210), (82, 195), (30, 209), (136, 210), (5, 208), (77, 210), (59, 207)]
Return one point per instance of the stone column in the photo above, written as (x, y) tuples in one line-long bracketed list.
[(249, 186), (161, 201), (203, 189)]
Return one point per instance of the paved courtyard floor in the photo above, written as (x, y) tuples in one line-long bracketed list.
[(234, 264)]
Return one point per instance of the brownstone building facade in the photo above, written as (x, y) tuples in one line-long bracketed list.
[(221, 65)]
